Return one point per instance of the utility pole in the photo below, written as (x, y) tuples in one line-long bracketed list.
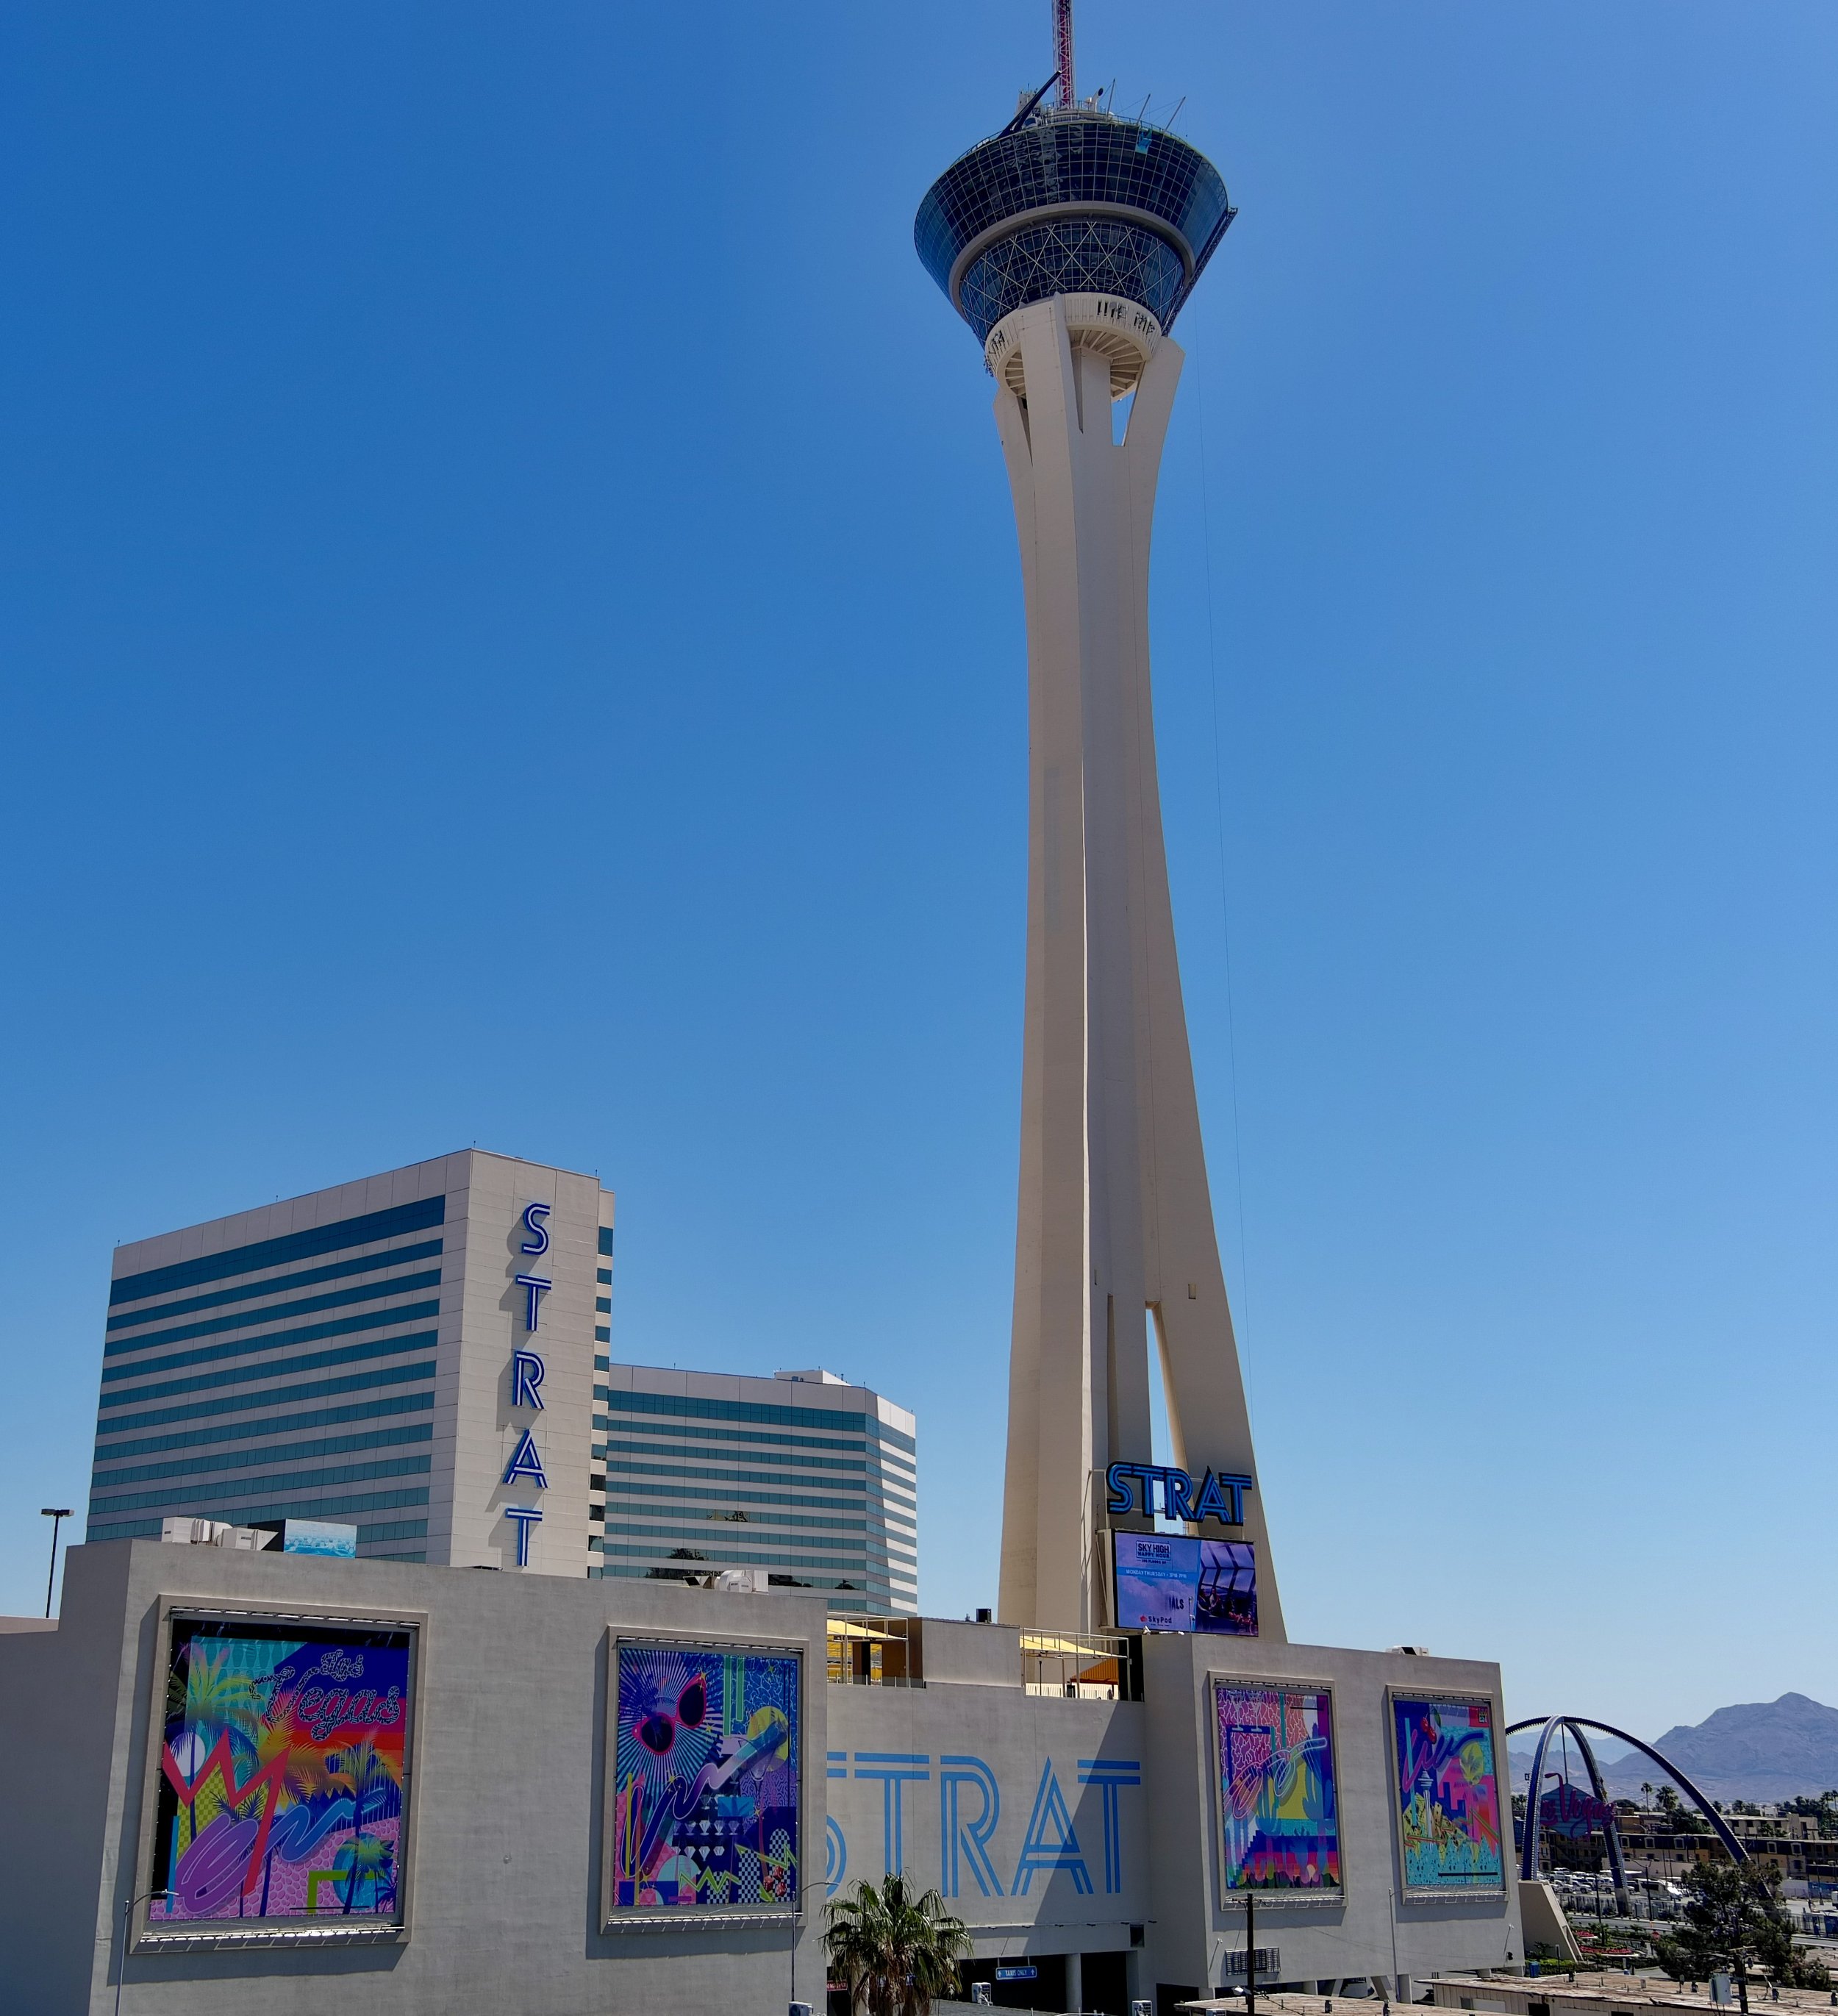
[(57, 1515), (817, 1883)]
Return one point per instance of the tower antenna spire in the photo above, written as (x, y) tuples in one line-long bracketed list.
[(1062, 52)]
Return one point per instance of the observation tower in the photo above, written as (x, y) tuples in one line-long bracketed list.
[(1069, 242)]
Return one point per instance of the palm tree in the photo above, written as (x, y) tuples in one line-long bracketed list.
[(895, 1949), (365, 1855), (272, 1739), (368, 1772), (304, 1775), (212, 1702), (308, 1777)]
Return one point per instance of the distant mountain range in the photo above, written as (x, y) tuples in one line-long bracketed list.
[(1762, 1751)]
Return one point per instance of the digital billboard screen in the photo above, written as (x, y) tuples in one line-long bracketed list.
[(1173, 1581)]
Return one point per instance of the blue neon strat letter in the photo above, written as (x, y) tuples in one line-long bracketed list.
[(526, 1371), (534, 1288), (1120, 1477), (525, 1516), (1176, 1495), (534, 1214), (526, 1462), (1210, 1504)]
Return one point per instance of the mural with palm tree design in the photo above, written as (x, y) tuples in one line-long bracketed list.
[(283, 1771), (706, 1779)]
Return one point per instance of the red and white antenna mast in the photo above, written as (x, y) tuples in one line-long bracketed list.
[(1063, 51)]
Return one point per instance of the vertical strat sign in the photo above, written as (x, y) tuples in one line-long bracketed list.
[(527, 1370)]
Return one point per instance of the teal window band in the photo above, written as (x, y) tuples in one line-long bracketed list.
[(244, 1375), (233, 1403), (368, 1230), (203, 1466), (181, 1500), (372, 1291), (238, 1431), (371, 1263)]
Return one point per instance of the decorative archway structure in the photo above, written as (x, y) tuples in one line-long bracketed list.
[(1575, 1724)]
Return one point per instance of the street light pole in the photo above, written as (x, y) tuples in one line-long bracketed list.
[(126, 1913), (817, 1883), (57, 1515), (1250, 1954), (1396, 1983)]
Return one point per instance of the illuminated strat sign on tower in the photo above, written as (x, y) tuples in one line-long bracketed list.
[(1069, 242)]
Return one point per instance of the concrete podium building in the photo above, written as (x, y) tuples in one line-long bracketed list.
[(186, 1829)]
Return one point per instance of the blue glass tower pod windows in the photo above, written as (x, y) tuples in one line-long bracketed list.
[(1072, 202)]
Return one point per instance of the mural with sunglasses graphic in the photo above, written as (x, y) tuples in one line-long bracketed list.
[(705, 1808)]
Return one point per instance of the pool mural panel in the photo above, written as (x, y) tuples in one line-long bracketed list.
[(282, 1790), (705, 1796), (1277, 1789), (1446, 1794)]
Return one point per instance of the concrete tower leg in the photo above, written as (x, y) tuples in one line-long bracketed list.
[(1115, 1215)]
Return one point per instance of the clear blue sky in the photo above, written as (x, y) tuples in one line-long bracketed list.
[(511, 633)]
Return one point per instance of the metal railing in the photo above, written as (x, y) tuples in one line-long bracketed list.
[(875, 1652), (1082, 1665)]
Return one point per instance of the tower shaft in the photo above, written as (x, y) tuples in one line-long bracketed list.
[(1115, 1226)]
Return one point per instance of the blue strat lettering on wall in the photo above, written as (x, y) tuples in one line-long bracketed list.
[(534, 1286), (526, 1516), (527, 1371), (1051, 1843), (533, 1217), (1108, 1774), (957, 1834), (969, 1813), (526, 1462), (896, 1770), (1219, 1496)]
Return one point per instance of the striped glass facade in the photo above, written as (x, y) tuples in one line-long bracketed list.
[(292, 1378), (721, 1473)]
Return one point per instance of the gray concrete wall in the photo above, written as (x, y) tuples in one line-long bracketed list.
[(1026, 1864), (509, 1784), (1318, 1941), (504, 1866), (58, 1692)]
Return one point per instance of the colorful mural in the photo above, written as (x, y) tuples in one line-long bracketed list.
[(1448, 1798), (1280, 1807), (706, 1804), (283, 1773)]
